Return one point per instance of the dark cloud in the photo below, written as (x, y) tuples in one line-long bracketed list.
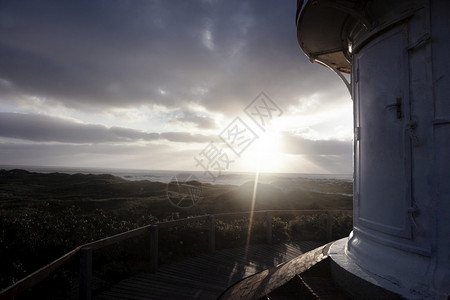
[(185, 137), (92, 54), (198, 120), (332, 156), (334, 164), (298, 145), (102, 53), (100, 155), (40, 128), (127, 134)]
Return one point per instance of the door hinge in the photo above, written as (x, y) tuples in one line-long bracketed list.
[(357, 133), (411, 129), (412, 212)]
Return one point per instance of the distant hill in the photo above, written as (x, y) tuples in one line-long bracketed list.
[(20, 188), (333, 194), (20, 185)]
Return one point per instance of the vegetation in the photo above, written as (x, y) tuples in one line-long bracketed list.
[(43, 216)]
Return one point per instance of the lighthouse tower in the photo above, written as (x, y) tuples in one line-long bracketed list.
[(398, 56)]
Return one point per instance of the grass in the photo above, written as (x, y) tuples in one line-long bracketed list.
[(43, 216)]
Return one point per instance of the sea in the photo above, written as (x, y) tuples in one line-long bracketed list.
[(166, 176)]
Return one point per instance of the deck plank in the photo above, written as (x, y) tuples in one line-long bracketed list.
[(206, 276)]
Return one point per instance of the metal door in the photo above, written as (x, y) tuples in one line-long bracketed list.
[(382, 146)]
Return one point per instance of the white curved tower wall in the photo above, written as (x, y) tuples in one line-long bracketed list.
[(399, 55)]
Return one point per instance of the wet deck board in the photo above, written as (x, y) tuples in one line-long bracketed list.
[(206, 276)]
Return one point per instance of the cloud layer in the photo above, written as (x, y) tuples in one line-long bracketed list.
[(39, 128), (124, 53), (186, 68)]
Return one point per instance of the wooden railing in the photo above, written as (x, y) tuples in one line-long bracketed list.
[(85, 251)]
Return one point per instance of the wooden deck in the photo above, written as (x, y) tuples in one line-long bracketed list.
[(206, 276)]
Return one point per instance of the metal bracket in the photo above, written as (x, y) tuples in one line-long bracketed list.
[(338, 73)]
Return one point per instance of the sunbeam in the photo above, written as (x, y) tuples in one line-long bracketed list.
[(252, 209)]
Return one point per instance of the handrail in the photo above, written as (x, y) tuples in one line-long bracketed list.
[(42, 273), (86, 257), (174, 223), (117, 238), (37, 276)]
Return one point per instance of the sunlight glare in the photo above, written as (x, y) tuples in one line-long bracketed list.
[(252, 209), (267, 151)]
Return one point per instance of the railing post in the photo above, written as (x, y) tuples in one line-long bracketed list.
[(268, 227), (153, 248), (211, 234), (85, 273), (329, 226)]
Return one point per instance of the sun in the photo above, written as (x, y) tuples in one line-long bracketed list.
[(265, 154)]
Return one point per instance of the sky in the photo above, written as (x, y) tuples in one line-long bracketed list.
[(207, 85)]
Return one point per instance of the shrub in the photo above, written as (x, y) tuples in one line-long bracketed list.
[(308, 228)]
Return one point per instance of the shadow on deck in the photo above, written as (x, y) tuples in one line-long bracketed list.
[(206, 276)]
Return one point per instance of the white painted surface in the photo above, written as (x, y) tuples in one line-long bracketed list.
[(401, 93), (401, 211)]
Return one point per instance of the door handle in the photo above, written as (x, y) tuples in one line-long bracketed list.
[(398, 106)]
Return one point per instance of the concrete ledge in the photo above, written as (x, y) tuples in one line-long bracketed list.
[(357, 282)]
